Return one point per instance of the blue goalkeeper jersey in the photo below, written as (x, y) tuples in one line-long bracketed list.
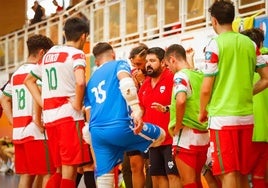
[(104, 98)]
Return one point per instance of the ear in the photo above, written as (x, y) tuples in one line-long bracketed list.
[(113, 55), (172, 59), (84, 36), (214, 21), (96, 61), (41, 53), (163, 62)]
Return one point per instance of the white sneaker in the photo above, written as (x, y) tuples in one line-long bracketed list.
[(4, 168)]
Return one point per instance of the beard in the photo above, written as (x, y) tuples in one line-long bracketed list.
[(153, 73), (144, 71)]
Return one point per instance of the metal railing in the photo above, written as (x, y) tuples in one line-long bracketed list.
[(121, 23)]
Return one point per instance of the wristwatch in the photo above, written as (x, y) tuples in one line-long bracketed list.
[(166, 109)]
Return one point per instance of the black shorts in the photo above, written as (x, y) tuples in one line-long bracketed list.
[(137, 152), (162, 162)]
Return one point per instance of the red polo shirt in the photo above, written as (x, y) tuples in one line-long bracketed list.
[(161, 93)]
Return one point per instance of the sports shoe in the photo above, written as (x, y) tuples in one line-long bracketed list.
[(9, 172)]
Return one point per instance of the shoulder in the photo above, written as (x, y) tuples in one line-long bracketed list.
[(121, 61), (122, 64), (167, 76), (168, 72), (180, 74)]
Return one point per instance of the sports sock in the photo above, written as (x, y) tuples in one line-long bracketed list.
[(66, 183), (89, 179), (78, 178), (54, 181), (106, 181)]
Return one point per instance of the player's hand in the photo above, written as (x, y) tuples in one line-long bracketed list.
[(41, 129), (138, 76), (177, 129), (159, 107), (40, 126), (203, 116), (138, 125), (190, 56), (190, 52), (75, 104), (137, 112)]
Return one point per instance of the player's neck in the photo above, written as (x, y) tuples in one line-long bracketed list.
[(224, 28), (32, 60), (106, 60), (155, 80), (73, 44), (184, 65)]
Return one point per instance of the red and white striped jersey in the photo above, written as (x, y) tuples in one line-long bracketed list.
[(22, 105), (58, 82)]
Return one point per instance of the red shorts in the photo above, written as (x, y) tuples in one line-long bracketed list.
[(66, 143), (194, 158), (21, 164), (38, 157), (261, 158), (232, 150)]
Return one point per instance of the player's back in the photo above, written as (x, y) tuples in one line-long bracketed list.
[(58, 71), (22, 101), (233, 86), (104, 96), (58, 82)]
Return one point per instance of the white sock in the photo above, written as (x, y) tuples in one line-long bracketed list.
[(105, 181)]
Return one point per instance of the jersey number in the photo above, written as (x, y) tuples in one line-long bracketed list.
[(52, 78), (99, 93), (20, 98)]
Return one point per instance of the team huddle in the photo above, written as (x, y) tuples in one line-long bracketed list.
[(157, 119)]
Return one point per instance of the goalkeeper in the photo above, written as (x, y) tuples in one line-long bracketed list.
[(115, 116)]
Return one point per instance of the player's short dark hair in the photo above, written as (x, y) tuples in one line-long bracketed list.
[(140, 50), (159, 52), (38, 42), (255, 34), (176, 50), (223, 11), (74, 27), (100, 48)]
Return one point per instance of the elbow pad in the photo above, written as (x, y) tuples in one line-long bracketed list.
[(129, 92)]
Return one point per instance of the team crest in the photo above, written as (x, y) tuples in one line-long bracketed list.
[(208, 55), (162, 89), (145, 127), (170, 164), (177, 81)]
